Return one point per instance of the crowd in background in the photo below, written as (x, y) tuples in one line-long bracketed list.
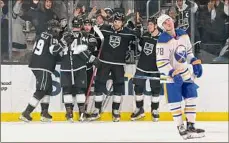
[(30, 16)]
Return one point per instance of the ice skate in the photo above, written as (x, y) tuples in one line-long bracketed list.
[(138, 114), (115, 115), (25, 116), (194, 132), (45, 116)]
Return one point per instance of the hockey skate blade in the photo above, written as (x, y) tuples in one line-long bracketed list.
[(70, 120), (22, 118), (195, 135), (138, 117), (116, 119), (155, 119), (44, 119), (94, 118)]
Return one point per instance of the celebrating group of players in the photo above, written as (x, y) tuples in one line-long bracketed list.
[(103, 47)]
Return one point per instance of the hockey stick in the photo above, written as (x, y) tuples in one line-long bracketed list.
[(107, 99), (163, 79), (72, 72)]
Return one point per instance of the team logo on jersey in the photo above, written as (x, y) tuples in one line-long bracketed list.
[(114, 41), (180, 54), (148, 48)]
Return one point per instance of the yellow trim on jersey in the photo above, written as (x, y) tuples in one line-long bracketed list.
[(161, 64)]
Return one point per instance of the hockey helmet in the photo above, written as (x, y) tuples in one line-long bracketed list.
[(119, 16), (87, 20), (54, 27), (161, 20), (77, 22), (108, 11)]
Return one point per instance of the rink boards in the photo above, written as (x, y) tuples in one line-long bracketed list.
[(18, 85)]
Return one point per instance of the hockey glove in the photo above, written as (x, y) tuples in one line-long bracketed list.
[(95, 61), (67, 39), (175, 74), (197, 67)]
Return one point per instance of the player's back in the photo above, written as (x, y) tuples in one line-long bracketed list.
[(41, 58), (78, 59)]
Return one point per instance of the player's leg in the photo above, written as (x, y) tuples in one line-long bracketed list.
[(45, 116), (66, 85), (37, 96), (155, 98), (118, 86), (139, 85), (173, 95), (189, 93), (100, 88), (79, 91)]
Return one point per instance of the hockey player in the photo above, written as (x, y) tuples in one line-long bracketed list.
[(147, 67), (116, 42), (91, 31), (174, 54), (42, 64), (73, 68)]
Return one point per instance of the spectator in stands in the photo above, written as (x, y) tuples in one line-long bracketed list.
[(43, 15), (173, 14), (214, 22), (4, 31), (60, 9), (18, 37)]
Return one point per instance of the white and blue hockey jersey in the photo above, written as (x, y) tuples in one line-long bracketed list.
[(175, 53)]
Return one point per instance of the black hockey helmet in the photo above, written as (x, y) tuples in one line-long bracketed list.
[(153, 20), (109, 11), (119, 16), (54, 27), (87, 20), (77, 22)]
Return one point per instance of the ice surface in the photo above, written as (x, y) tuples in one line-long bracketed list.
[(107, 131)]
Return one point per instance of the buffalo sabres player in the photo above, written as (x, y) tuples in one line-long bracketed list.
[(42, 64), (147, 67), (174, 54), (116, 42), (73, 68)]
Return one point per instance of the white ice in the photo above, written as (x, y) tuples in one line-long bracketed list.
[(107, 131)]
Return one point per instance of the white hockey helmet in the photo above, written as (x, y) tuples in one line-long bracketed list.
[(161, 20)]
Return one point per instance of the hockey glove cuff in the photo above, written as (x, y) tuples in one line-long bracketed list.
[(197, 67)]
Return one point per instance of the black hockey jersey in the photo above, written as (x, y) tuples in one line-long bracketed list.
[(45, 50), (79, 60), (147, 60), (184, 16), (116, 44)]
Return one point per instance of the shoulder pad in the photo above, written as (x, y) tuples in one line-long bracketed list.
[(180, 32), (164, 38)]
